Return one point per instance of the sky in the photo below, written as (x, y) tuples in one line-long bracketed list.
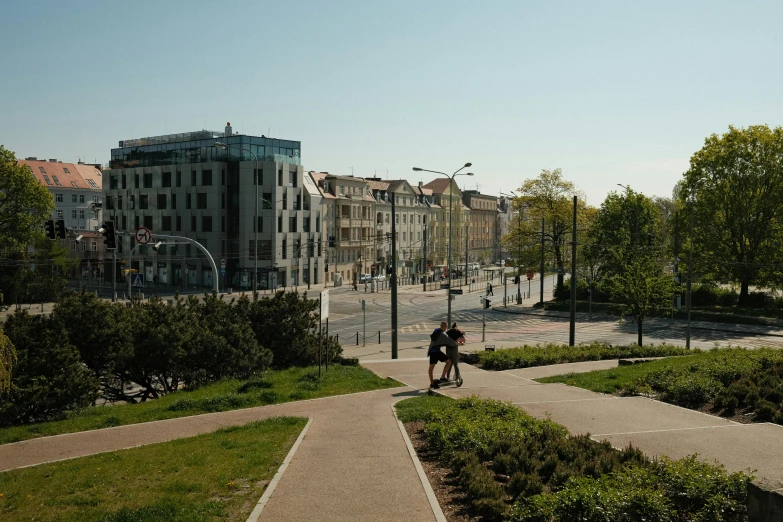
[(609, 91)]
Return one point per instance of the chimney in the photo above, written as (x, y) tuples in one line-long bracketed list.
[(228, 132), (421, 183), (31, 158), (52, 160)]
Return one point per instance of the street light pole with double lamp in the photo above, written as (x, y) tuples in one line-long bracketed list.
[(451, 219)]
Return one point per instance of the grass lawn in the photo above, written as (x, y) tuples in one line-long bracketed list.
[(728, 381), (293, 384), (216, 476)]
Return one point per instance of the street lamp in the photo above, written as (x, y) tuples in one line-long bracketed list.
[(621, 185), (255, 227), (451, 219)]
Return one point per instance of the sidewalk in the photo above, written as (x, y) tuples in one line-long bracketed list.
[(654, 427)]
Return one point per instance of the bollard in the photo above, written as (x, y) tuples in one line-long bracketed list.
[(379, 337), (357, 338), (337, 338)]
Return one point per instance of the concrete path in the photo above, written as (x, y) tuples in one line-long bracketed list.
[(352, 464), (654, 427)]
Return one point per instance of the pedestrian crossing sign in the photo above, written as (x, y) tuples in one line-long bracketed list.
[(137, 280)]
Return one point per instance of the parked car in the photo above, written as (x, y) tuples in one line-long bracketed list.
[(474, 266), (380, 277), (365, 278)]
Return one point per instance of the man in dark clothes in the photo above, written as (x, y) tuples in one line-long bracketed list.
[(438, 339), (452, 352)]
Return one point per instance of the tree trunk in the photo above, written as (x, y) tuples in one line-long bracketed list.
[(639, 321), (743, 297)]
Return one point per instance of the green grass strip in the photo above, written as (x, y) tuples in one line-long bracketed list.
[(527, 356), (728, 380), (216, 476), (273, 387)]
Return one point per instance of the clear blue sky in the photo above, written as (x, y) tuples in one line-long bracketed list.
[(611, 92)]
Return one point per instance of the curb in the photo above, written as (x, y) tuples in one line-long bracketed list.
[(436, 510), (256, 513)]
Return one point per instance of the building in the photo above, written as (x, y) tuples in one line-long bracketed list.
[(483, 240), (201, 185), (442, 189), (76, 189), (506, 214), (349, 227)]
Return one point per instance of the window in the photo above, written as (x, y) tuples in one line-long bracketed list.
[(42, 170), (119, 202), (48, 181), (81, 214), (418, 220), (192, 223), (179, 178), (179, 223), (187, 201), (166, 223), (94, 246), (125, 222), (73, 214), (148, 180), (292, 224), (285, 248), (166, 179), (280, 223), (387, 218), (285, 201), (92, 183), (112, 182), (135, 181), (223, 200), (223, 224), (193, 178), (267, 202), (81, 198), (162, 201), (73, 198), (305, 224), (84, 246), (292, 178), (123, 181), (74, 185), (403, 236), (73, 243), (58, 198), (173, 202), (260, 224), (206, 223), (136, 221), (143, 202), (109, 203), (201, 200), (279, 177), (206, 178), (148, 222), (404, 216)]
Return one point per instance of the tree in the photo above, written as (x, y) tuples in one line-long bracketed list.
[(734, 187), (7, 361), (24, 204), (549, 197), (625, 239)]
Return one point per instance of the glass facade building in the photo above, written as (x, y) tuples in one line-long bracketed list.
[(197, 147)]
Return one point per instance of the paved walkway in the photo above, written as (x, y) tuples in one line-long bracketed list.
[(354, 462), (654, 427)]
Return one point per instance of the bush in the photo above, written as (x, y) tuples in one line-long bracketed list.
[(527, 356), (555, 476), (712, 295)]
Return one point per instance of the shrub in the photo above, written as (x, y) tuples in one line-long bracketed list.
[(527, 356)]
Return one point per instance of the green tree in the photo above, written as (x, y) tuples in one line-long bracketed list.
[(24, 204), (734, 187), (625, 239), (7, 361), (550, 197)]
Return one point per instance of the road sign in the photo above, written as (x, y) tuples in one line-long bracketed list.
[(143, 235), (137, 280), (223, 263), (444, 285), (456, 291), (325, 304), (363, 304), (222, 270)]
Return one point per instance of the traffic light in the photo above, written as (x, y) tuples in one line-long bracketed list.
[(109, 235), (332, 242), (60, 228), (49, 226)]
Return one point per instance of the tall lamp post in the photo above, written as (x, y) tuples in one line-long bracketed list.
[(224, 146), (451, 219)]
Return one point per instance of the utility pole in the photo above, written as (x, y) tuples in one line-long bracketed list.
[(424, 262), (690, 277), (394, 278), (467, 228), (542, 261), (572, 328)]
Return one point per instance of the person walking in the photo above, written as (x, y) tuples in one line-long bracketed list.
[(489, 289), (438, 339), (452, 352)]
